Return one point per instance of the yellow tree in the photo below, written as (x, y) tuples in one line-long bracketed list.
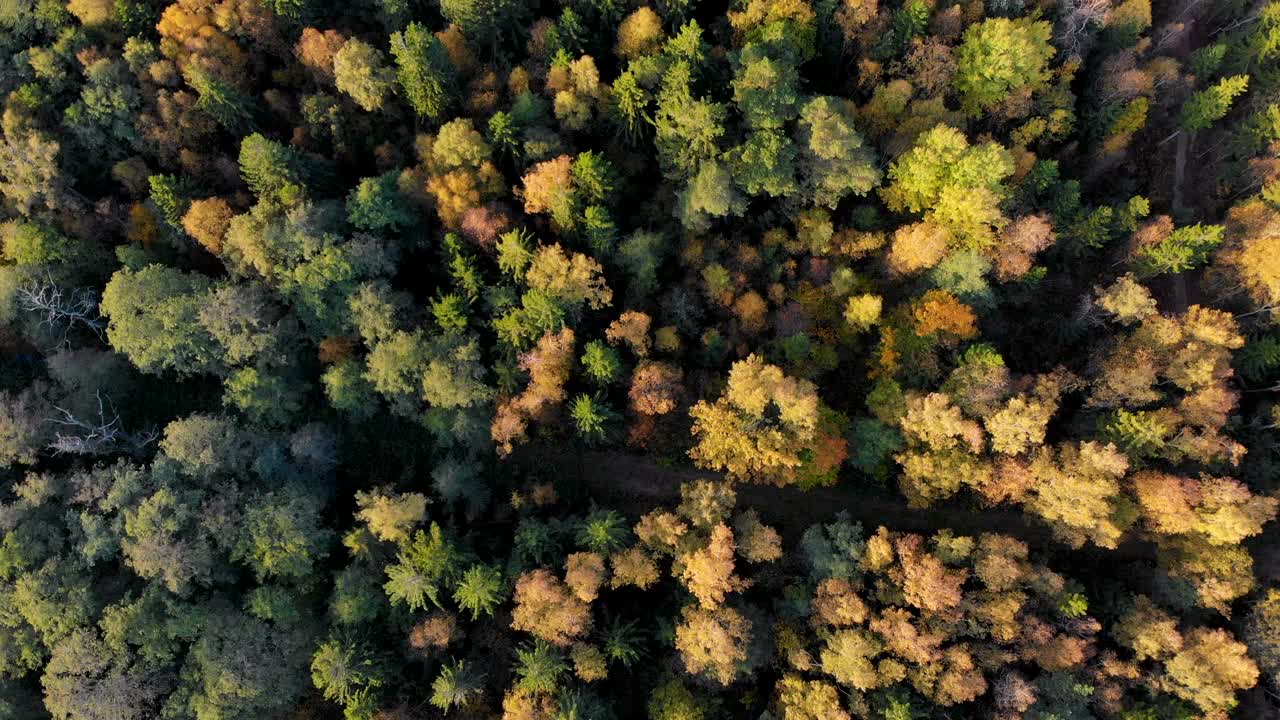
[(713, 642), (764, 428)]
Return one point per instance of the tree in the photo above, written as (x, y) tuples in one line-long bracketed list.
[(548, 609), (282, 537), (1209, 669), (346, 672), (848, 657), (32, 179), (687, 129), (956, 185), (918, 246), (207, 220), (601, 362), (834, 161), (84, 680), (673, 701), (1210, 105), (707, 572), (361, 71), (267, 398), (572, 280), (710, 194), (426, 77), (455, 686), (584, 573), (153, 320), (1184, 249), (800, 699), (427, 566), (639, 34), (242, 666), (273, 171), (765, 88), (1262, 633), (603, 532), (765, 164), (758, 429), (480, 591), (391, 516), (999, 56), (713, 642), (540, 667), (377, 204)]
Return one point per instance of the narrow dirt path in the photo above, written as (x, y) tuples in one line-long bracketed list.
[(635, 484)]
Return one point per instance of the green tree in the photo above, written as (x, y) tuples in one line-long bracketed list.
[(242, 667), (540, 667), (346, 672), (1210, 105), (423, 70), (273, 171), (455, 686), (427, 565), (377, 204), (834, 161), (765, 88), (999, 56), (153, 319), (361, 71), (282, 536), (480, 591), (956, 185)]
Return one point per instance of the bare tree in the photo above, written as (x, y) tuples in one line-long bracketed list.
[(1078, 24), (96, 437), (63, 309)]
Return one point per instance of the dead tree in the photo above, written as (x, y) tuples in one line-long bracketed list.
[(62, 309), (96, 437)]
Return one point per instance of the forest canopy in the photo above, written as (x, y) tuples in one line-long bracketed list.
[(662, 359)]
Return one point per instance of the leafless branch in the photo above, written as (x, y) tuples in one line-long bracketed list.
[(96, 437), (1079, 23), (63, 309)]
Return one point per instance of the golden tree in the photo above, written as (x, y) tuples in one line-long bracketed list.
[(763, 428)]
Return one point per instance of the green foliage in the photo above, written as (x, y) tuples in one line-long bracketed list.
[(427, 565), (168, 199), (377, 204), (591, 417), (480, 591), (1210, 105), (673, 701), (232, 109), (153, 320), (1073, 605), (1259, 359), (603, 532), (424, 72), (624, 642), (834, 160), (345, 671), (540, 667), (956, 185), (274, 172), (601, 362), (1185, 249), (765, 88), (455, 686), (999, 56), (1139, 434)]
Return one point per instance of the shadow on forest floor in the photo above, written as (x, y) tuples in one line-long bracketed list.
[(636, 484)]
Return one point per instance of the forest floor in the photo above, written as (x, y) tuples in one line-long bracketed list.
[(635, 484)]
